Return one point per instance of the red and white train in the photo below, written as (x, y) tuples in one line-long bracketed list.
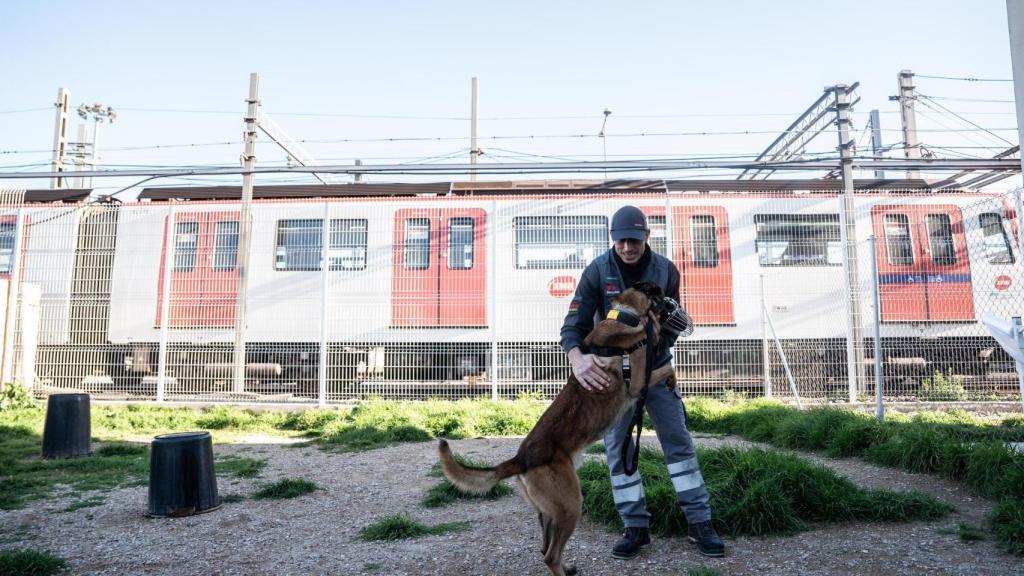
[(423, 279)]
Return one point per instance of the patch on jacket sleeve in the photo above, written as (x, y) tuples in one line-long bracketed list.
[(574, 307)]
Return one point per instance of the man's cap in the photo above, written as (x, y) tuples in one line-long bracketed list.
[(629, 222)]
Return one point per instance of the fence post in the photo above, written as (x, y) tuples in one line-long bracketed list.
[(879, 380), (165, 304), (765, 367), (325, 266), (492, 223)]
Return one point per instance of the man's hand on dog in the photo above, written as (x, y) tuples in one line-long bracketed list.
[(588, 371)]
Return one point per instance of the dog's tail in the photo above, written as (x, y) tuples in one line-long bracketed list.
[(475, 480)]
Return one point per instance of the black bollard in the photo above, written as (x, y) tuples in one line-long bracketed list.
[(181, 477), (66, 433)]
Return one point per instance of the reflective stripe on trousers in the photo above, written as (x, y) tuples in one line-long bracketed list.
[(666, 409)]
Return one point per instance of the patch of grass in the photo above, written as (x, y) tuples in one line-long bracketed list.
[(231, 498), (122, 449), (444, 492), (953, 444), (286, 488), (379, 423), (1007, 522), (401, 527), (966, 532), (703, 571), (86, 503), (26, 476), (941, 386), (29, 563), (240, 467), (757, 492), (372, 567), (596, 448)]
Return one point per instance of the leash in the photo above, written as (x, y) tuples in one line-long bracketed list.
[(630, 465)]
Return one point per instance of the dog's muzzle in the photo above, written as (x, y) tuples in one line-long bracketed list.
[(675, 322)]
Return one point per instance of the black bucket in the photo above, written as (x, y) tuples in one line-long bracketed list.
[(67, 430), (181, 477)]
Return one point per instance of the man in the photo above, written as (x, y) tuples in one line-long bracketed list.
[(631, 261)]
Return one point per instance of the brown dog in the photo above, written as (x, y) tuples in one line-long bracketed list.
[(545, 464)]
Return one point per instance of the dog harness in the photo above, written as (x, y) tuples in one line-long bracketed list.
[(628, 318)]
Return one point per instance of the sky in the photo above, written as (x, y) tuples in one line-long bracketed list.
[(389, 82)]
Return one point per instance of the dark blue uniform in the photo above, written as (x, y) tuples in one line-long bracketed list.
[(600, 283)]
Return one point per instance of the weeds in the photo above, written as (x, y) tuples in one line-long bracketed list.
[(286, 488), (952, 444), (401, 527), (240, 467), (757, 492), (29, 563)]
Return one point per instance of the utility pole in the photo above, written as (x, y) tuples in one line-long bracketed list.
[(906, 98), (1015, 19), (848, 239), (60, 136), (244, 232), (876, 141), (474, 150)]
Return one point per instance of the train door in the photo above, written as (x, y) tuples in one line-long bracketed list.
[(8, 233), (439, 268), (923, 269), (204, 272), (702, 253)]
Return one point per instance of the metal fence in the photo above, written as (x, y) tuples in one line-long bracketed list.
[(464, 296)]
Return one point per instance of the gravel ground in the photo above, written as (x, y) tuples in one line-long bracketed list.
[(317, 533)]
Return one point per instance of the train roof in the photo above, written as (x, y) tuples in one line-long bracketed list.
[(526, 187), (43, 196)]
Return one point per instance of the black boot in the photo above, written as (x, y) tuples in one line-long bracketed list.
[(704, 536), (633, 539)]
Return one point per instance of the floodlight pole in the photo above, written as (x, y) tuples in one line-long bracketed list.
[(60, 136)]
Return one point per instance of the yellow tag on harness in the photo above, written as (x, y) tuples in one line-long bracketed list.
[(613, 315)]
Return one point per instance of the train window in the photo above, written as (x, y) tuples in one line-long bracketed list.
[(704, 240), (796, 240), (298, 244), (997, 243), (417, 243), (348, 244), (940, 238), (225, 246), (6, 247), (897, 240), (186, 244), (658, 239), (460, 243), (550, 242)]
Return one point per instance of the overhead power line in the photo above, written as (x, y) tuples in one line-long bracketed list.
[(964, 79)]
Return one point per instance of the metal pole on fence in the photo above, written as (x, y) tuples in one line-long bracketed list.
[(765, 367), (493, 291), (782, 358), (325, 266), (170, 253), (879, 381), (1018, 336), (13, 300)]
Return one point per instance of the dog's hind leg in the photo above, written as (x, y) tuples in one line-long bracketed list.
[(555, 492)]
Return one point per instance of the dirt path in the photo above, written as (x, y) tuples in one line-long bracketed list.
[(317, 534)]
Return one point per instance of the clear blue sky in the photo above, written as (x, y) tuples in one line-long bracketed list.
[(694, 66)]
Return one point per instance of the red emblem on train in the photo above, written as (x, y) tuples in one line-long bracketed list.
[(561, 286), (1003, 282)]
